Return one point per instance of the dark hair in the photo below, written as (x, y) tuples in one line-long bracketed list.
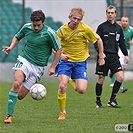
[(111, 7), (118, 19), (37, 16)]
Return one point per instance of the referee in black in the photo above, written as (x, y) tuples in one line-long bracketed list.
[(111, 35)]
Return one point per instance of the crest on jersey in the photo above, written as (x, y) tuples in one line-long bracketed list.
[(42, 34), (117, 37)]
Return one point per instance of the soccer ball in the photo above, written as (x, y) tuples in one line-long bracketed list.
[(38, 91)]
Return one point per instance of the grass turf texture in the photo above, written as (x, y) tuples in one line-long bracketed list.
[(32, 116)]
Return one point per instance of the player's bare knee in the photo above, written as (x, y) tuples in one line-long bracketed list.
[(81, 91), (120, 79), (62, 88), (101, 79), (20, 96)]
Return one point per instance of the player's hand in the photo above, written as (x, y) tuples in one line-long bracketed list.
[(127, 59), (102, 56), (101, 61), (65, 57), (51, 71), (131, 42), (6, 49)]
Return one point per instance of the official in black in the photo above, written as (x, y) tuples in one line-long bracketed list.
[(111, 35)]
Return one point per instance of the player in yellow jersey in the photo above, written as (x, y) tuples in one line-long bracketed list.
[(74, 37)]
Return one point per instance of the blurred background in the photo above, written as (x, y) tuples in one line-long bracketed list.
[(15, 13)]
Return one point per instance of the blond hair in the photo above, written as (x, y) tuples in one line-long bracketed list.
[(77, 10)]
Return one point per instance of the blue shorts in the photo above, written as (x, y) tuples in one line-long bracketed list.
[(75, 70)]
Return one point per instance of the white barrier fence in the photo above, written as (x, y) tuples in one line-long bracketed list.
[(6, 73)]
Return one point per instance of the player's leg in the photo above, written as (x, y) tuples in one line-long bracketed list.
[(63, 80), (112, 77), (98, 87), (81, 85), (22, 92), (13, 94), (79, 76), (117, 70), (26, 85), (78, 85), (64, 73), (36, 73), (61, 95), (122, 88), (72, 83), (117, 84), (123, 65), (24, 78), (98, 90)]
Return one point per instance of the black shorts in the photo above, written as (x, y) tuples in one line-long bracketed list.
[(112, 63)]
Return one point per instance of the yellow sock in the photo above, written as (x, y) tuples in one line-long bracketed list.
[(62, 101), (73, 84)]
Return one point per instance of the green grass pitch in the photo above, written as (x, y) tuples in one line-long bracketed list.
[(32, 116)]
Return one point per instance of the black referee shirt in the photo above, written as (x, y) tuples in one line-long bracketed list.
[(112, 35)]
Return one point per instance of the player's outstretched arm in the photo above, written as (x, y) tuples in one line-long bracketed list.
[(14, 42), (54, 62)]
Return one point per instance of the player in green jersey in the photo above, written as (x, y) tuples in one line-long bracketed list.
[(30, 64), (128, 34)]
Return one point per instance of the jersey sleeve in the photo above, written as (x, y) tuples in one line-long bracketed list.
[(91, 35), (122, 44), (59, 34), (98, 31), (20, 33), (54, 41)]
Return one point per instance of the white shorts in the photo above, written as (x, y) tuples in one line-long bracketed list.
[(32, 72), (122, 58)]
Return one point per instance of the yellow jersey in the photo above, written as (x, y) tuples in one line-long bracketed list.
[(75, 42)]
